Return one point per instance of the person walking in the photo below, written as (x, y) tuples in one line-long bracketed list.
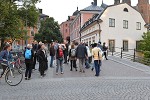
[(5, 56), (72, 57), (59, 59), (65, 51), (81, 54), (105, 50), (97, 55), (42, 56), (28, 54), (35, 49), (52, 54), (89, 55)]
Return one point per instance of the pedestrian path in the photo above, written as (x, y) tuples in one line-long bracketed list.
[(129, 63)]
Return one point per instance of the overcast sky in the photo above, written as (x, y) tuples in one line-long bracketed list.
[(61, 9)]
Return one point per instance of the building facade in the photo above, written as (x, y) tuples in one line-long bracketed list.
[(65, 27), (81, 17), (118, 26)]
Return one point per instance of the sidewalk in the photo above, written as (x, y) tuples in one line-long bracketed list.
[(129, 63)]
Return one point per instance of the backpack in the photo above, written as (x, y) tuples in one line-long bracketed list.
[(73, 52), (28, 54), (61, 53)]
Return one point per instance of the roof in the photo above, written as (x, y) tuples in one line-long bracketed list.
[(76, 12), (43, 15), (92, 8), (97, 16)]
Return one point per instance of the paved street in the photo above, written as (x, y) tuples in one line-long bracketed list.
[(117, 82)]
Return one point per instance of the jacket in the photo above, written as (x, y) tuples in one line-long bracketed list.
[(52, 51), (81, 52), (97, 53), (42, 56), (5, 55)]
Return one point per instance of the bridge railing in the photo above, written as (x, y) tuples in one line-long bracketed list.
[(130, 54)]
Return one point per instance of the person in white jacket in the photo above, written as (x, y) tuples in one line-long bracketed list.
[(89, 55)]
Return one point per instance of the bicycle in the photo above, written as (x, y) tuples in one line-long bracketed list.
[(13, 76)]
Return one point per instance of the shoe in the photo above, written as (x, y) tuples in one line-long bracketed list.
[(92, 69), (83, 71), (76, 70), (56, 73), (29, 78), (62, 72), (97, 75), (106, 59), (9, 81), (80, 71), (70, 69), (26, 78)]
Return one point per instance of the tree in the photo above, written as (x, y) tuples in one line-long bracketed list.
[(13, 20), (49, 31), (145, 44)]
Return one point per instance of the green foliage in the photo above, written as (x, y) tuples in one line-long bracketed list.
[(14, 19), (145, 44), (49, 31)]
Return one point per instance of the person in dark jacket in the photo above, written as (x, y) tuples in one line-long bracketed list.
[(5, 56), (52, 54), (35, 48), (81, 54), (28, 62), (42, 60), (105, 50)]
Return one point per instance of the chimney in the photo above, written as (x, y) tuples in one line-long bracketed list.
[(116, 2), (95, 2), (40, 11)]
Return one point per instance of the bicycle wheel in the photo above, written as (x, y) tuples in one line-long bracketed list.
[(13, 77)]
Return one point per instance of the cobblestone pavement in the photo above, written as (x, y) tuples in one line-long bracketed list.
[(117, 82)]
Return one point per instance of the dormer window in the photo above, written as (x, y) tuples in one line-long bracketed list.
[(125, 10)]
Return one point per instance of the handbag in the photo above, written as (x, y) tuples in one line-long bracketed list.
[(61, 59)]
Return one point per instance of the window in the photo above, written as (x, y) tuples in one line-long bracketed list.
[(125, 45), (111, 22), (112, 45), (125, 24), (125, 10), (138, 25)]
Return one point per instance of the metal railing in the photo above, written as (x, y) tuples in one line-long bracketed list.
[(130, 54)]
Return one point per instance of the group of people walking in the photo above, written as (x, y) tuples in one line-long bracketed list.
[(62, 53)]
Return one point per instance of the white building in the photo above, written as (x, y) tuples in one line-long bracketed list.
[(118, 26)]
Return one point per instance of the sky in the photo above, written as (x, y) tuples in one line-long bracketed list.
[(61, 9)]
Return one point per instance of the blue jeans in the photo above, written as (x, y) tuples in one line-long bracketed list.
[(59, 64), (51, 62), (97, 66)]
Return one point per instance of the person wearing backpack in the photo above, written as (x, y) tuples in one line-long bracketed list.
[(72, 57), (97, 55), (28, 54), (59, 59)]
